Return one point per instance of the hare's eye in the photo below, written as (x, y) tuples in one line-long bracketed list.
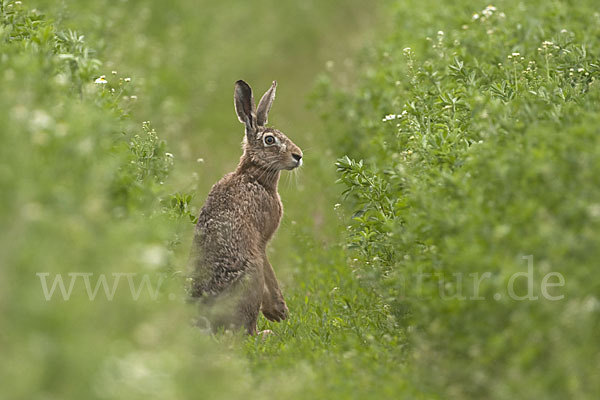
[(269, 140)]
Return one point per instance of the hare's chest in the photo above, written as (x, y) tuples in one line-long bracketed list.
[(263, 208), (271, 216)]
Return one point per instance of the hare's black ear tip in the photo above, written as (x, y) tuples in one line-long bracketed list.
[(242, 83)]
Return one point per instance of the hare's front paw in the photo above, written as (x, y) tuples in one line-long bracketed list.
[(275, 311)]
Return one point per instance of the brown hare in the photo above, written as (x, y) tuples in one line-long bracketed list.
[(232, 276)]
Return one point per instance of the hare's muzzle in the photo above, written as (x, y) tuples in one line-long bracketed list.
[(298, 158)]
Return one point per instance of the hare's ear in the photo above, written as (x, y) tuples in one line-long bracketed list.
[(262, 113), (244, 105)]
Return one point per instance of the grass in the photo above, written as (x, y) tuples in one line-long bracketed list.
[(460, 160)]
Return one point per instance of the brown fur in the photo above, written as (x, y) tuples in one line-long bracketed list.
[(231, 273)]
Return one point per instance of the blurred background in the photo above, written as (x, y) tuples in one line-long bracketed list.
[(187, 55), (441, 139)]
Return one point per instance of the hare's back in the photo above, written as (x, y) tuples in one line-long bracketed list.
[(229, 223), (227, 240)]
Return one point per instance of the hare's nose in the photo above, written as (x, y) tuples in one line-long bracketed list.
[(297, 157)]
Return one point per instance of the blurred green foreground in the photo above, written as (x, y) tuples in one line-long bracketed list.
[(467, 140)]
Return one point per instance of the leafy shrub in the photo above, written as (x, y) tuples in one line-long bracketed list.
[(80, 191), (481, 145)]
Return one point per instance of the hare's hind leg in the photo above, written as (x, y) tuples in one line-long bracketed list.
[(237, 307), (250, 298)]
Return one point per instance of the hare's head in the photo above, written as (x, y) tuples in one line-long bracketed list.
[(266, 147)]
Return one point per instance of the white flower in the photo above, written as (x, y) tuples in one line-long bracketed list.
[(170, 155), (488, 11), (40, 120), (547, 43), (133, 97), (440, 33), (391, 117), (114, 72), (154, 256), (475, 16), (563, 31), (102, 80), (516, 54), (127, 79)]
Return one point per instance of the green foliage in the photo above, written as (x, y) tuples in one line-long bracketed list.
[(141, 177), (87, 189), (481, 146), (79, 191), (65, 61), (470, 161)]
